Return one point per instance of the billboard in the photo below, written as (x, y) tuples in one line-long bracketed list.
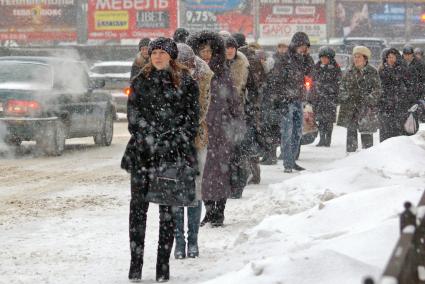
[(378, 19), (37, 20), (216, 15), (280, 19), (131, 19)]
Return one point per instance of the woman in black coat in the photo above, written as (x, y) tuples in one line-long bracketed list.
[(162, 114), (326, 80), (395, 100)]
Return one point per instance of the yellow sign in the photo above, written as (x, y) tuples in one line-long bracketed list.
[(111, 20)]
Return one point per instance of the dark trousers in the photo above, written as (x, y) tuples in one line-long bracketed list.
[(325, 131), (214, 210), (352, 141), (389, 127), (137, 229)]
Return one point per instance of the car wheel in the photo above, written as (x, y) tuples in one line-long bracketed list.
[(52, 139), (104, 138)]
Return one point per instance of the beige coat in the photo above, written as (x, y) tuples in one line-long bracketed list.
[(203, 76)]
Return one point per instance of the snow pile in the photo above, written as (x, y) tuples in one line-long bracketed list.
[(346, 222)]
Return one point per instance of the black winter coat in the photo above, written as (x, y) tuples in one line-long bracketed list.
[(163, 122), (326, 80), (416, 78), (396, 99)]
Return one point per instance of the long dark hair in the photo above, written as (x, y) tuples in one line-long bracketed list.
[(176, 70)]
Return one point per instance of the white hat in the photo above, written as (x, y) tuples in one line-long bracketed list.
[(363, 50)]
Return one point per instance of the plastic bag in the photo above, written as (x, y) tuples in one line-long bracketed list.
[(411, 125)]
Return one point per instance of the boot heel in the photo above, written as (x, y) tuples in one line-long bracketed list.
[(162, 272)]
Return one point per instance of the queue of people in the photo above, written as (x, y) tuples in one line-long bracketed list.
[(205, 107)]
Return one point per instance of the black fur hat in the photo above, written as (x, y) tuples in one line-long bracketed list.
[(181, 35), (216, 42), (166, 44), (144, 42)]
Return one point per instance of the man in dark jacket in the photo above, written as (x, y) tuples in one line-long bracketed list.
[(287, 86), (416, 70), (142, 57)]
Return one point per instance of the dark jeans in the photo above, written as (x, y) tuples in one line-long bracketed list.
[(215, 210), (137, 228), (325, 131), (352, 141), (291, 130), (193, 221)]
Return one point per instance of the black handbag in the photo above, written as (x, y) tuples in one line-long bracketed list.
[(172, 184)]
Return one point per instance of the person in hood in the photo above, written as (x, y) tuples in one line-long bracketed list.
[(202, 74), (359, 95), (142, 57), (223, 111), (326, 79), (287, 87), (395, 100), (181, 35), (416, 70), (163, 119)]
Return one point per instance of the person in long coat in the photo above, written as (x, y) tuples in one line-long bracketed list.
[(326, 79), (163, 119), (223, 111), (396, 98), (359, 95), (203, 75)]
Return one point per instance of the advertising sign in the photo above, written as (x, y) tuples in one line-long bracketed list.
[(127, 19), (378, 19), (38, 20), (216, 15), (282, 18)]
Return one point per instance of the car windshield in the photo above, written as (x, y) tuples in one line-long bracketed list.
[(23, 75), (111, 69)]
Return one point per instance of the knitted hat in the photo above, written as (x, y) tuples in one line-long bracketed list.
[(181, 35), (363, 50), (408, 49), (326, 51), (144, 42), (166, 44), (186, 53), (240, 39), (231, 42)]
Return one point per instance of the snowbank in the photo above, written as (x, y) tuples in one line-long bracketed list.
[(343, 221)]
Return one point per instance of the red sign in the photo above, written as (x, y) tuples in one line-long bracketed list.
[(38, 20), (281, 20), (126, 19)]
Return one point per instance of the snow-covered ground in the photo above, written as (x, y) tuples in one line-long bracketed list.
[(65, 219)]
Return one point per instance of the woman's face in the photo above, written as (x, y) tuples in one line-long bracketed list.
[(206, 53), (359, 60), (160, 59), (391, 59), (324, 60), (230, 53)]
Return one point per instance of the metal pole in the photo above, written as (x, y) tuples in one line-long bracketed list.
[(256, 4)]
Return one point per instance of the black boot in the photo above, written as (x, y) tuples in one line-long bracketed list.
[(135, 272), (209, 212), (219, 213), (162, 272)]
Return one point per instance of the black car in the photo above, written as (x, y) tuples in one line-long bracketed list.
[(49, 99)]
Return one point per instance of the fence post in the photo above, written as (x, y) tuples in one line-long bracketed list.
[(407, 218)]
